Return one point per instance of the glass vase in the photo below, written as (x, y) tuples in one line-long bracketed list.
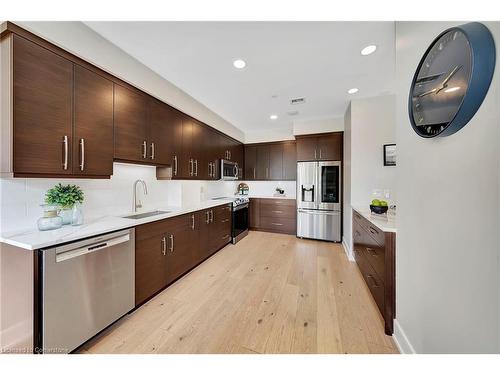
[(66, 213), (50, 220), (77, 215)]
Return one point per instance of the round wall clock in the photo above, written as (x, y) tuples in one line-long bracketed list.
[(452, 80)]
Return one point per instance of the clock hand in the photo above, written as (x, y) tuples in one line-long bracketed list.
[(427, 92), (445, 82)]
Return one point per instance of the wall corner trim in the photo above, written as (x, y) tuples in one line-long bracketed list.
[(347, 250), (401, 340)]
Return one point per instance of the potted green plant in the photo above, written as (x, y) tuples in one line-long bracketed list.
[(65, 197)]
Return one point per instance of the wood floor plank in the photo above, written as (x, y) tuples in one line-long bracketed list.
[(270, 293)]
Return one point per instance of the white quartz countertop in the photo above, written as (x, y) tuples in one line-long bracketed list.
[(385, 222), (34, 239), (271, 197)]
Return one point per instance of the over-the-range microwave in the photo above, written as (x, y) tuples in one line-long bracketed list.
[(228, 170)]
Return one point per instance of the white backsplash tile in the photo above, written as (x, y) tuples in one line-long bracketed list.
[(20, 198), (268, 188)]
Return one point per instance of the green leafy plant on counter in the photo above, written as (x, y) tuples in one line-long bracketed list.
[(64, 196)]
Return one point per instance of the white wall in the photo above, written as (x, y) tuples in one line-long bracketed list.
[(369, 124), (268, 188), (447, 262), (269, 135), (373, 124), (347, 209), (83, 42), (320, 125)]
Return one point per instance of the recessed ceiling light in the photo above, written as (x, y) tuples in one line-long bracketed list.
[(239, 63), (368, 50), (354, 90), (273, 117)]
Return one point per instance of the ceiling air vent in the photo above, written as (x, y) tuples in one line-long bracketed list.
[(297, 101), (292, 113)]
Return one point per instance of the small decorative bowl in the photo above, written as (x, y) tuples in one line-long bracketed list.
[(379, 209)]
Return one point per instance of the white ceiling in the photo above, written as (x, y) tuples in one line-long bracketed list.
[(316, 60)]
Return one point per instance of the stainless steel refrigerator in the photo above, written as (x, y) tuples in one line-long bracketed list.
[(319, 208)]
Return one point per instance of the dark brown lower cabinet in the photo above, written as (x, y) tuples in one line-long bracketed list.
[(375, 255), (273, 215), (167, 249)]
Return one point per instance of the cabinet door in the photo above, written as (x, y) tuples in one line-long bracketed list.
[(330, 147), (250, 162), (289, 161), (276, 162), (163, 126), (175, 143), (199, 150), (237, 155), (262, 170), (131, 125), (204, 234), (187, 167), (93, 126), (150, 261), (254, 213), (182, 241), (43, 119), (307, 148)]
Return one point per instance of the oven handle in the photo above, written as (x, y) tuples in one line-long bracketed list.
[(240, 207)]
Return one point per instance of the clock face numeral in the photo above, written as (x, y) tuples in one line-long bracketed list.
[(441, 83)]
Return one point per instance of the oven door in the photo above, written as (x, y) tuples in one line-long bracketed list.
[(240, 222), (329, 185), (228, 170)]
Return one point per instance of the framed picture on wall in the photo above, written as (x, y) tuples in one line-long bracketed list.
[(390, 155)]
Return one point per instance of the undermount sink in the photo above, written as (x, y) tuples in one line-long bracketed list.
[(145, 214)]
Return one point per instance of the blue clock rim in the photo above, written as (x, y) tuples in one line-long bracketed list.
[(483, 60)]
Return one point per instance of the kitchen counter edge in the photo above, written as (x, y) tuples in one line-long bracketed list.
[(382, 222)]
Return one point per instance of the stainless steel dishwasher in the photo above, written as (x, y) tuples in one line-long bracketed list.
[(86, 286)]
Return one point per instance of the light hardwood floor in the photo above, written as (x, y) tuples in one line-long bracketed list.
[(270, 293)]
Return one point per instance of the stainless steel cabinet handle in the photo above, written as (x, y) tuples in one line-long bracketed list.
[(144, 149), (225, 237), (82, 154), (164, 246), (192, 222), (315, 157), (373, 230), (267, 172), (171, 243), (374, 282), (175, 165), (254, 173), (209, 169), (191, 167), (230, 154), (370, 251), (225, 220), (207, 214), (320, 154), (65, 158), (196, 167), (211, 216), (278, 212), (152, 150), (278, 224)]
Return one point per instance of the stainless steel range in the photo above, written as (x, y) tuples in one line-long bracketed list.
[(240, 216)]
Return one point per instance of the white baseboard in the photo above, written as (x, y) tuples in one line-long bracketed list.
[(401, 340), (347, 250)]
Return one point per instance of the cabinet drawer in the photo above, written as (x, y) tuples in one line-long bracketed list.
[(277, 202), (283, 225), (277, 211), (373, 231), (373, 281), (222, 213), (149, 230)]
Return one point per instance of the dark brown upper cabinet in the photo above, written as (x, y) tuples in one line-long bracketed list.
[(289, 161), (262, 162), (131, 125), (165, 134), (42, 110), (271, 161), (250, 162), (63, 115), (93, 126), (320, 147), (71, 119), (276, 161)]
